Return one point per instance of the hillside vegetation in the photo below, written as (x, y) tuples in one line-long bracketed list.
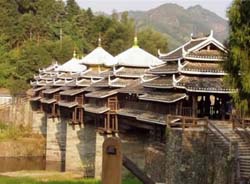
[(35, 33), (178, 23)]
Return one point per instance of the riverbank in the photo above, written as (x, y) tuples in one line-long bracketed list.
[(51, 177), (20, 142)]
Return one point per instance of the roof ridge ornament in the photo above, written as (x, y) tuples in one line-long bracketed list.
[(74, 53), (135, 42), (99, 40), (211, 33), (184, 52), (191, 35)]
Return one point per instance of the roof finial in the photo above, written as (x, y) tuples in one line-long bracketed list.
[(74, 53), (99, 40), (211, 33)]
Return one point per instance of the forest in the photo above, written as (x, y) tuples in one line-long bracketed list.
[(35, 33)]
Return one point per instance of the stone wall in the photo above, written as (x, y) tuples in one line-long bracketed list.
[(155, 162), (191, 158), (81, 149), (56, 144)]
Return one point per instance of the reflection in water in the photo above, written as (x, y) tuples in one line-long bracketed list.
[(9, 164)]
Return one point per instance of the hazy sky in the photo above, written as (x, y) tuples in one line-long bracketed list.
[(217, 6)]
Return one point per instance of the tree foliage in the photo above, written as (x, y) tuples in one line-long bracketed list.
[(238, 62), (34, 33)]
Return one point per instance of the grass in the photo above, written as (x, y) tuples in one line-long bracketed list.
[(28, 180), (17, 180), (11, 132)]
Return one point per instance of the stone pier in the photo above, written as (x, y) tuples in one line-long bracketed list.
[(80, 149), (56, 144)]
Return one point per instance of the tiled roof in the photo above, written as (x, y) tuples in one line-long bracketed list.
[(206, 67), (168, 68), (178, 52), (95, 109), (163, 82), (48, 100), (142, 115), (164, 97), (203, 84), (137, 57), (99, 57), (134, 88), (72, 92), (130, 72), (83, 82), (67, 104), (52, 90), (120, 82), (102, 93)]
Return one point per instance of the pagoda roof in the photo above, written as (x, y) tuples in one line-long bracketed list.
[(45, 76), (92, 108), (130, 72), (72, 92), (203, 84), (164, 97), (67, 104), (90, 73), (83, 82), (168, 68), (67, 75), (137, 57), (99, 57), (178, 53), (208, 55), (133, 88), (121, 82), (41, 82), (63, 82), (73, 65), (50, 69), (102, 93), (163, 82), (202, 68), (101, 83), (194, 45)]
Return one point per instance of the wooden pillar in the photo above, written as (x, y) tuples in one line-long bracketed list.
[(112, 161), (194, 106)]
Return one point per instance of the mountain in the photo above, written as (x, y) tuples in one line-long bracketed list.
[(177, 23)]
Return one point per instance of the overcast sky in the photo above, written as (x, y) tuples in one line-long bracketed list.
[(217, 6)]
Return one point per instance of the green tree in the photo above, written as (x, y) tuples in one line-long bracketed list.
[(238, 62), (151, 41), (72, 9)]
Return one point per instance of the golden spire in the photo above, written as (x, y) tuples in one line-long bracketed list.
[(74, 53), (99, 40), (135, 40)]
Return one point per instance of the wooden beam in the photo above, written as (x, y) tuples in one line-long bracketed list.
[(136, 171)]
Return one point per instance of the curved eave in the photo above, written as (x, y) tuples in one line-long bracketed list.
[(197, 90), (162, 101), (204, 58), (158, 87), (129, 76), (162, 73), (203, 73), (172, 59)]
